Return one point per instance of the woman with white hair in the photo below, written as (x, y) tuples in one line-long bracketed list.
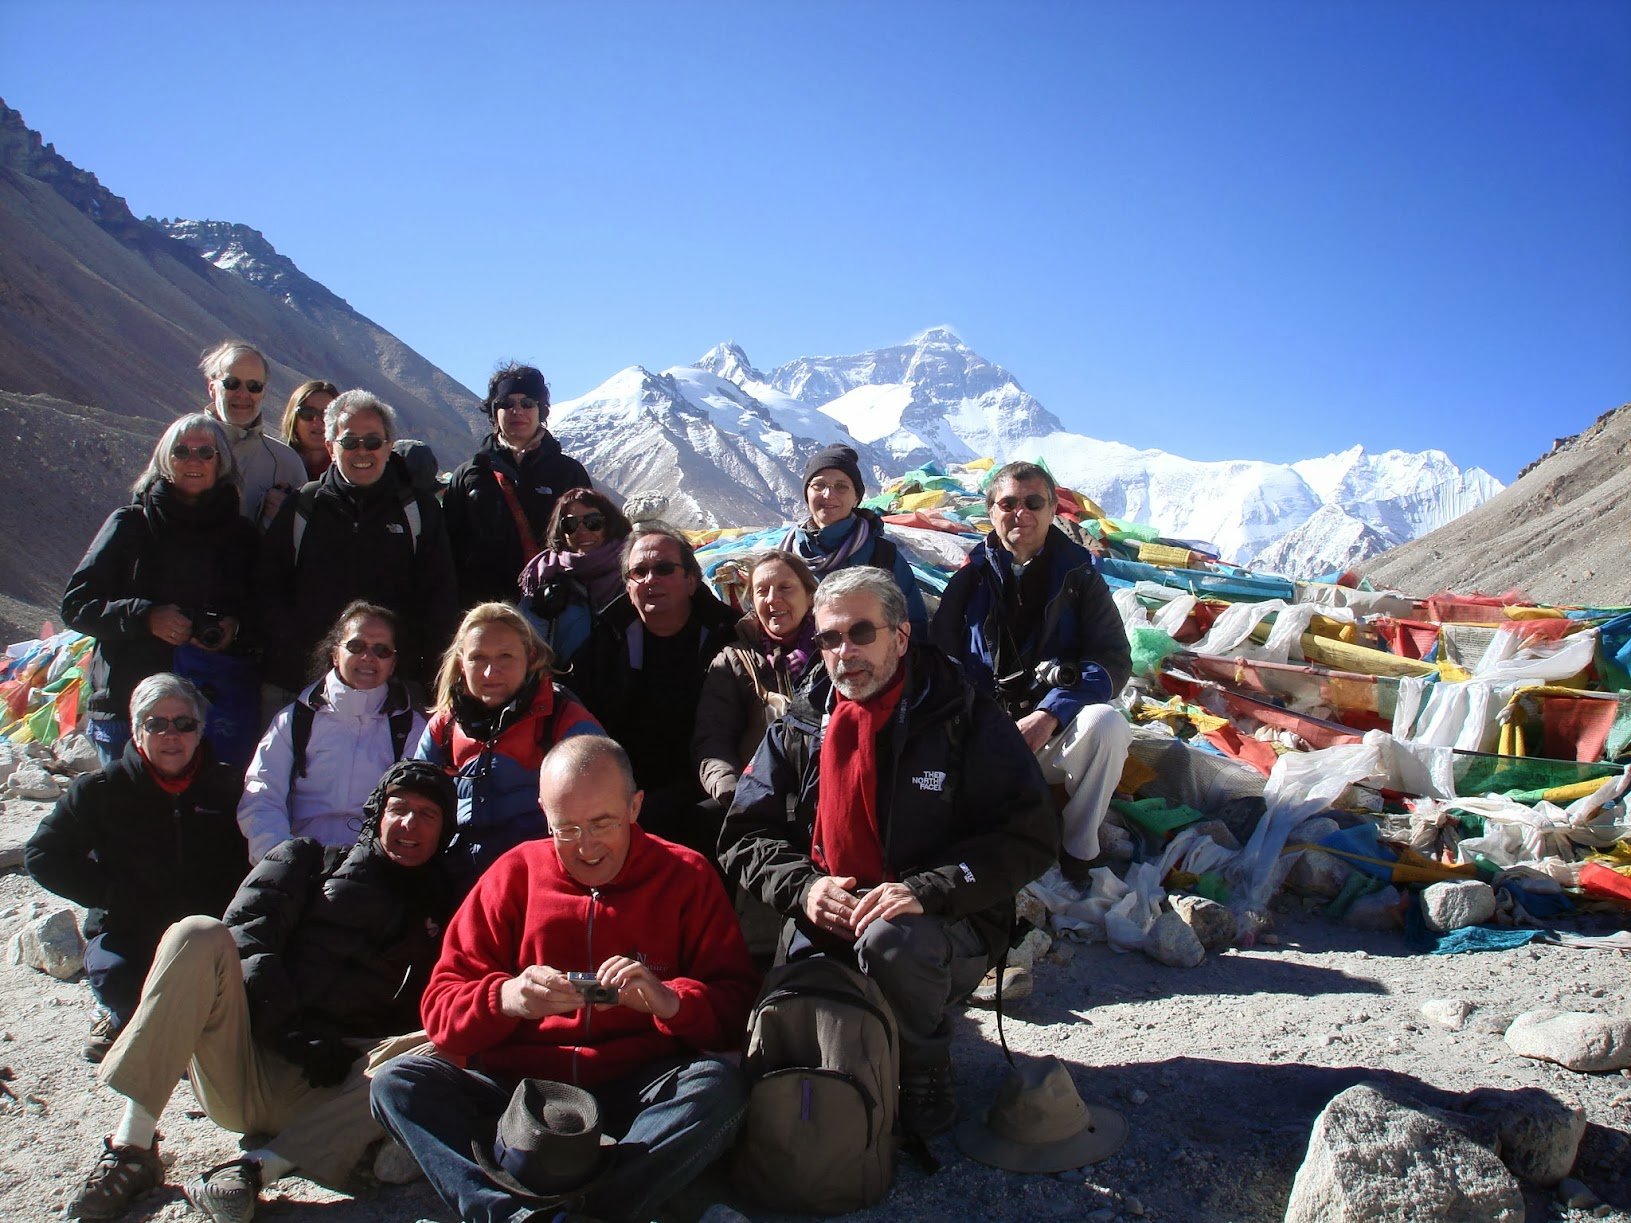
[(164, 586), (359, 532), (144, 842), (235, 375)]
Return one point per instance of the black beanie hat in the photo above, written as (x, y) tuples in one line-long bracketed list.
[(523, 380), (417, 777), (841, 458)]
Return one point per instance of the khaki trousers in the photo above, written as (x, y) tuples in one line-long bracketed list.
[(194, 1017)]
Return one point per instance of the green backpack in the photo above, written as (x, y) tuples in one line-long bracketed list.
[(822, 1062)]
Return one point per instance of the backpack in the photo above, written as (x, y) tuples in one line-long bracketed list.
[(822, 1062), (400, 721)]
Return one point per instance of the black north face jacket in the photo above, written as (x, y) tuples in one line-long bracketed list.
[(965, 816)]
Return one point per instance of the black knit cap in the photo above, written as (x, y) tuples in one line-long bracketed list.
[(524, 380), (417, 777), (840, 458)]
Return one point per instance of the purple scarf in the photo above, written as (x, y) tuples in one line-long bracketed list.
[(793, 659), (600, 570)]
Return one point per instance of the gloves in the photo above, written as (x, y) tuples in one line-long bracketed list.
[(324, 1061)]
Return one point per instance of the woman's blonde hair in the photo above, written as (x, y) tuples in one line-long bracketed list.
[(450, 675)]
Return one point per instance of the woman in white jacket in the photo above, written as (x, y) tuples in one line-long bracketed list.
[(323, 755)]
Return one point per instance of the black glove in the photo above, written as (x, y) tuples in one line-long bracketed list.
[(324, 1061)]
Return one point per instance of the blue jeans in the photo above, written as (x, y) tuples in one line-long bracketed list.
[(671, 1119), (116, 972), (108, 736)]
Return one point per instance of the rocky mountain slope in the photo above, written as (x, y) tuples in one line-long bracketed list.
[(1560, 534), (936, 400), (102, 319)]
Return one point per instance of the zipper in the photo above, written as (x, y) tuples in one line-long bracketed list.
[(589, 946)]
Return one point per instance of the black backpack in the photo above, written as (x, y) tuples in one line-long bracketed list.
[(400, 719), (822, 1061)]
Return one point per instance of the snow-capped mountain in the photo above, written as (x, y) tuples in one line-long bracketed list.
[(727, 444)]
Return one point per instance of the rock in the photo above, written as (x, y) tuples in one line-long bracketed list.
[(394, 1164), (1170, 941), (1579, 1040), (1382, 910), (76, 754), (1576, 1195), (1115, 843), (1447, 1012), (1456, 903), (11, 856), (643, 507), (1028, 906), (1315, 873), (51, 944), (1376, 1154), (1031, 948), (10, 758), (1540, 1134), (1212, 923), (31, 780)]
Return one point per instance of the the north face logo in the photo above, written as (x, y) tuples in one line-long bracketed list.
[(932, 780)]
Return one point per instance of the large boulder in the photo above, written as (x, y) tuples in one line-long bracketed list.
[(31, 780), (1376, 1154), (76, 754), (1540, 1134), (50, 944), (1580, 1040), (1456, 903)]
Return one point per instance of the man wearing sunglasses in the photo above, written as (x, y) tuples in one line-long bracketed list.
[(499, 503), (235, 374), (641, 670), (1033, 624), (893, 814)]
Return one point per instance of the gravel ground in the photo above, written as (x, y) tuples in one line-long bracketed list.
[(1219, 1070)]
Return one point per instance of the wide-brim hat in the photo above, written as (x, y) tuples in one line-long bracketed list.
[(546, 1146), (1039, 1123)]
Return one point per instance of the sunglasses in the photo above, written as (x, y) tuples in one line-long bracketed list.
[(379, 649), (862, 632), (589, 522), (232, 382), (178, 451), (308, 414), (1033, 502), (662, 569), (370, 443), (184, 725), (520, 405)]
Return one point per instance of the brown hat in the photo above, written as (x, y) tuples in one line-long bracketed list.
[(547, 1145), (1039, 1124)]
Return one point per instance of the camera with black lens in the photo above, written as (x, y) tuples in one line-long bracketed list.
[(208, 630), (1056, 673), (591, 990)]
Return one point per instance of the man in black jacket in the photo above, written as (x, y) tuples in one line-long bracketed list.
[(498, 504), (640, 673), (359, 532), (893, 814), (1033, 624), (281, 1013)]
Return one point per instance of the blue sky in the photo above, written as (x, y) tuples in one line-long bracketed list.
[(1225, 229)]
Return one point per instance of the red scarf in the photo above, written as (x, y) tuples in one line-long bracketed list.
[(846, 840), (172, 785)]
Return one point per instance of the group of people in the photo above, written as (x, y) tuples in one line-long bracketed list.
[(361, 864)]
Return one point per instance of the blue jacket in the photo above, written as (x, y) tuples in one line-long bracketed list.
[(1080, 625)]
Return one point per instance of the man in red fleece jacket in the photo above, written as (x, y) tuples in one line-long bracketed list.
[(651, 921)]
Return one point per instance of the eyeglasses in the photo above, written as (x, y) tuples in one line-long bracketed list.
[(370, 443), (519, 405), (862, 632), (831, 486), (308, 414), (1032, 501), (178, 451), (184, 725), (660, 569), (232, 382), (378, 649), (600, 827), (589, 522)]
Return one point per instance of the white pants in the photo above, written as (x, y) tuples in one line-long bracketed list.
[(1087, 757)]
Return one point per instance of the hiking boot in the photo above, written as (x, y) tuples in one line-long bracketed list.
[(121, 1175), (104, 1031), (228, 1192), (928, 1102), (1017, 983), (1075, 870)]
